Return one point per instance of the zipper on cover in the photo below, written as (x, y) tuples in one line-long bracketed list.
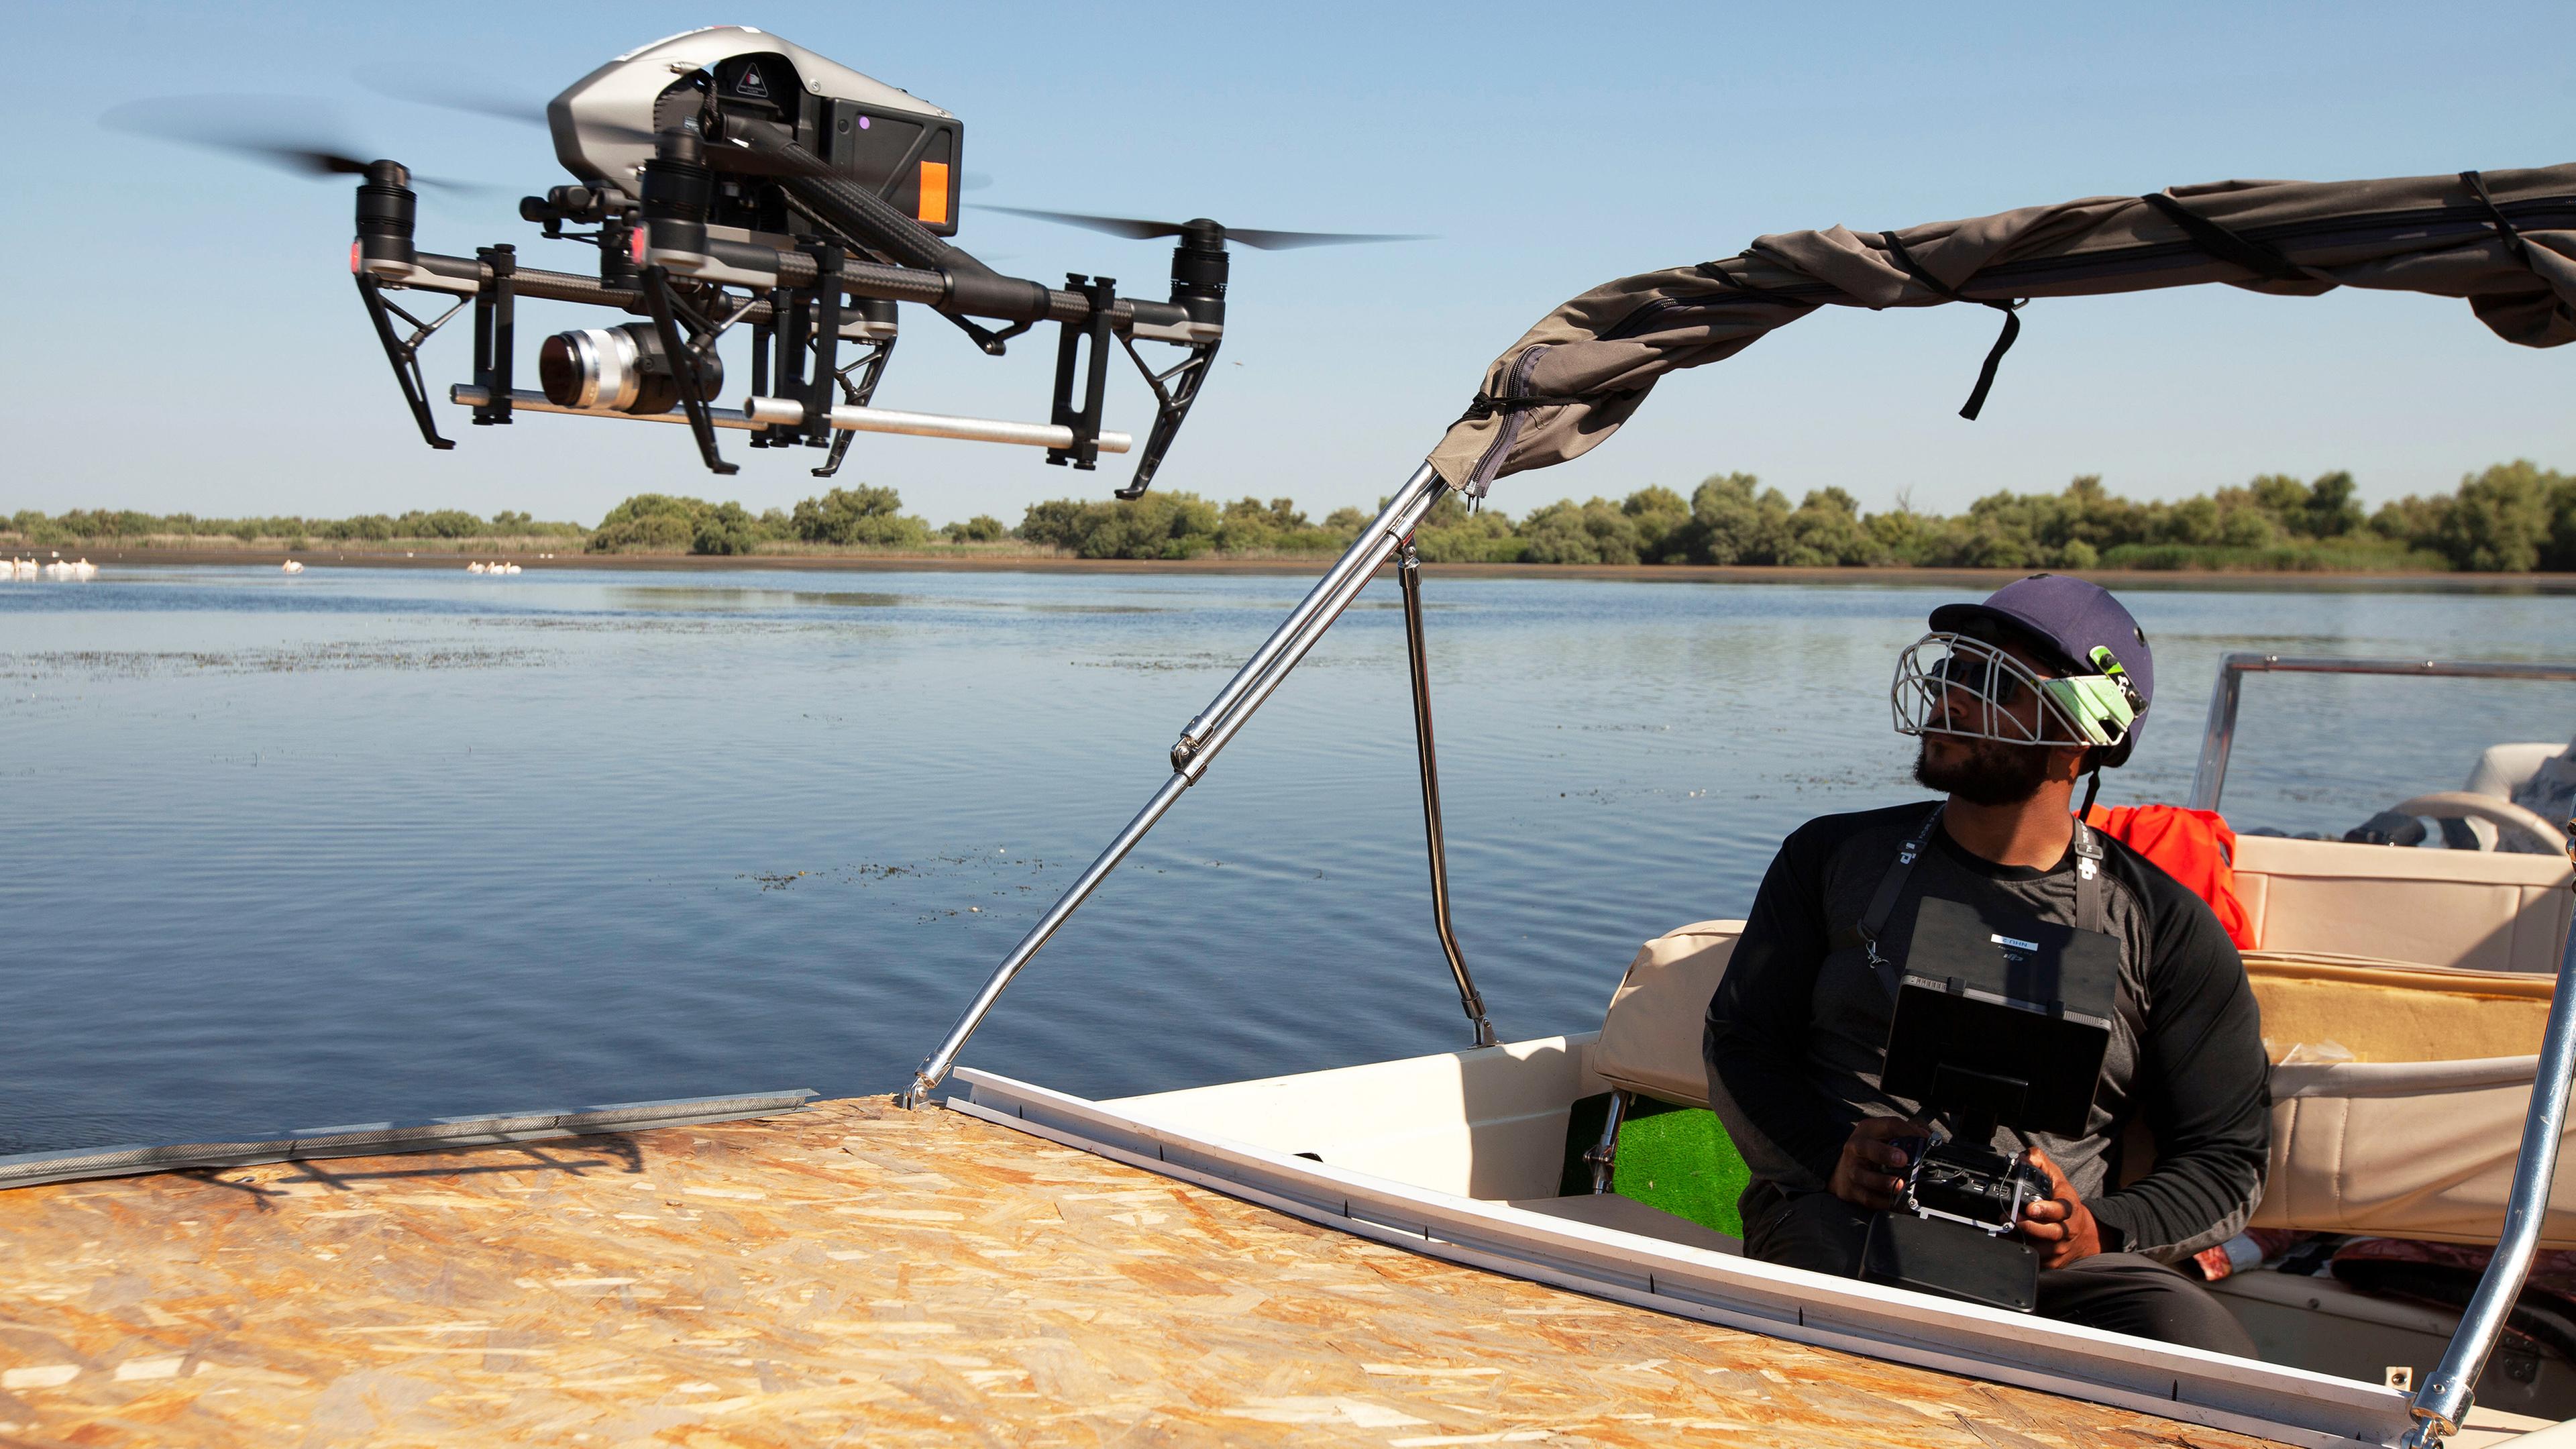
[(1481, 476)]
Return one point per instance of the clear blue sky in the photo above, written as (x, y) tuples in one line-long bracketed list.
[(181, 332)]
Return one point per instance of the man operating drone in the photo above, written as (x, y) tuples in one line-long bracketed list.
[(2015, 700)]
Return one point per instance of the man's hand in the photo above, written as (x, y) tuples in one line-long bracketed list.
[(1871, 1170), (2059, 1225)]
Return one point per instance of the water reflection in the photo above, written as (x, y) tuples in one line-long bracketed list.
[(388, 844)]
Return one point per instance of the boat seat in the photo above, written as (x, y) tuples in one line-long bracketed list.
[(1627, 1215), (1650, 1037), (2409, 1124), (2357, 1009), (2508, 772), (2479, 910)]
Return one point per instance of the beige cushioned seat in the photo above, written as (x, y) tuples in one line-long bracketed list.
[(1650, 1037), (2476, 909), (2415, 1137)]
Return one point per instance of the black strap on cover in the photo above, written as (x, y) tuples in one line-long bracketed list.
[(2003, 344), (1485, 404), (2513, 241), (2092, 913), (1717, 272), (2227, 246)]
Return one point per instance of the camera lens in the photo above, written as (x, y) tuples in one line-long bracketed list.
[(622, 369), (594, 367)]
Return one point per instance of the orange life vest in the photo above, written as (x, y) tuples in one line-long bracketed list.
[(2195, 847)]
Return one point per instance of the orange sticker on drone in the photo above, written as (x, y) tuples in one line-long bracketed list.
[(934, 193)]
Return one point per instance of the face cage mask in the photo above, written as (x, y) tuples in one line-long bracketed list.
[(1989, 686)]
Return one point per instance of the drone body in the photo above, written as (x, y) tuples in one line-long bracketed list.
[(604, 124), (732, 180)]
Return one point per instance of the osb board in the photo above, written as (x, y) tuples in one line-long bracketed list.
[(855, 1274)]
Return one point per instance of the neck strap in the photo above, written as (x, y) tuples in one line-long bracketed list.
[(2091, 913)]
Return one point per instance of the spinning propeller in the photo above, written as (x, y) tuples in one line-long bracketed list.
[(1136, 228), (277, 131)]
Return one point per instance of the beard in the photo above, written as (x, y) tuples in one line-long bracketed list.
[(1983, 772)]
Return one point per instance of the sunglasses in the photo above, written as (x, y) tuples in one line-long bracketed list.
[(1980, 675)]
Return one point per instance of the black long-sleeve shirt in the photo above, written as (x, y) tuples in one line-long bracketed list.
[(1798, 1028)]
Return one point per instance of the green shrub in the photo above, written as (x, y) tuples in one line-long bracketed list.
[(982, 528), (863, 515)]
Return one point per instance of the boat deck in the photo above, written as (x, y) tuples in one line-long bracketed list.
[(856, 1273)]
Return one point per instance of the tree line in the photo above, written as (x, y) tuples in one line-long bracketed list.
[(2513, 517)]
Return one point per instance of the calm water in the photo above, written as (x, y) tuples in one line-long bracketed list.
[(373, 844)]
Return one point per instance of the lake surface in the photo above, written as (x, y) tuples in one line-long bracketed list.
[(382, 844)]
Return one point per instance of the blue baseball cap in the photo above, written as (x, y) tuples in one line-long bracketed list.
[(2069, 618)]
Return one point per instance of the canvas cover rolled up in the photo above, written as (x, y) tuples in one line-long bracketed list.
[(2504, 241)]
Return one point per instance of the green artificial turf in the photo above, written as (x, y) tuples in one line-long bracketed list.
[(1678, 1159)]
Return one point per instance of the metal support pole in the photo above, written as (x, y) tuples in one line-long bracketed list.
[(2443, 1402), (1224, 717), (1603, 1156), (1197, 730), (2218, 736), (1408, 573)]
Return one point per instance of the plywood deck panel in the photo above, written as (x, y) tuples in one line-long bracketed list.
[(858, 1274)]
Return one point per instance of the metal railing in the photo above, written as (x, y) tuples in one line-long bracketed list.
[(2210, 777), (2442, 1404)]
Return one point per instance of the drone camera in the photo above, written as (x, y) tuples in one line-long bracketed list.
[(583, 205), (616, 369)]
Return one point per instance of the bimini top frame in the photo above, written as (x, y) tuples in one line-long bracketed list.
[(1389, 535)]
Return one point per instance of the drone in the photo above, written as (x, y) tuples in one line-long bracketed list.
[(732, 181)]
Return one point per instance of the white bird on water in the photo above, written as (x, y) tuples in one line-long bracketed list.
[(476, 567), (24, 568), (84, 570), (291, 566)]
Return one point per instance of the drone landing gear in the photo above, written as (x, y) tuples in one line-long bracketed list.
[(1175, 388), (807, 326), (404, 353), (1085, 346), (870, 367), (493, 322), (687, 373), (1092, 337)]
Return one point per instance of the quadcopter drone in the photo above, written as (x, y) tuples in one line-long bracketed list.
[(731, 180)]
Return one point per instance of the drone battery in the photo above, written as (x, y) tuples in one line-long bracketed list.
[(1906, 1251), (910, 160)]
